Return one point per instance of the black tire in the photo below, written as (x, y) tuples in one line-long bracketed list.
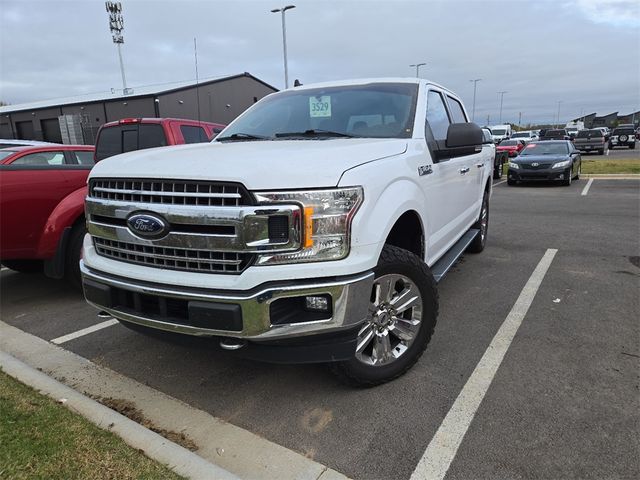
[(610, 146), (579, 171), (632, 146), (601, 151), (394, 260), (478, 243), (497, 170), (510, 182), (72, 260), (24, 266), (567, 181)]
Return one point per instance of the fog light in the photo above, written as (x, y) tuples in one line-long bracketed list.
[(317, 304)]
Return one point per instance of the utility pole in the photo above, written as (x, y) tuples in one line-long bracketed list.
[(284, 41), (501, 98), (475, 84), (519, 118), (417, 65), (558, 121), (116, 26)]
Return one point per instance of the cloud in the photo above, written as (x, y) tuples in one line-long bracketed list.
[(613, 12)]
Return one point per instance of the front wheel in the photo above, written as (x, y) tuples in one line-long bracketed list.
[(74, 252), (402, 316), (568, 177), (482, 225), (579, 171)]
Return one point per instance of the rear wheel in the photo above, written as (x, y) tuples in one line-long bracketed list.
[(402, 315), (497, 171), (24, 266), (74, 250), (632, 146)]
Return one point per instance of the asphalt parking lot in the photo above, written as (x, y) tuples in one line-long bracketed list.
[(564, 402)]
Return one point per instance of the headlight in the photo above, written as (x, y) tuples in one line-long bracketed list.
[(565, 163), (514, 165), (326, 223)]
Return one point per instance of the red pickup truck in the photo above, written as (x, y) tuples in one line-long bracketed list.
[(139, 133), (42, 191)]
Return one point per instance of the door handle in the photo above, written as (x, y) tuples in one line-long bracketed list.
[(479, 165), (464, 170)]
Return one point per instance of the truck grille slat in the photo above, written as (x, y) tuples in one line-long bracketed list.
[(174, 192), (173, 258)]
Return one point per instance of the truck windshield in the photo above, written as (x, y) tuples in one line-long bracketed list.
[(498, 131), (379, 110)]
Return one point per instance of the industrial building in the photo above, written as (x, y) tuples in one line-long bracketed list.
[(76, 120), (611, 120)]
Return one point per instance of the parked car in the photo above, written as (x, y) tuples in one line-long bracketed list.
[(591, 141), (42, 192), (605, 131), (550, 160), (316, 236), (501, 132), (131, 134), (499, 158), (527, 136), (513, 146), (556, 134), (623, 137), (11, 142)]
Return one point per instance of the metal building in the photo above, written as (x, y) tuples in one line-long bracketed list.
[(78, 118)]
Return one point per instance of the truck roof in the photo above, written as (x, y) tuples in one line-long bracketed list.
[(364, 81)]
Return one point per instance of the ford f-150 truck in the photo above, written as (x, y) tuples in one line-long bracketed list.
[(314, 228)]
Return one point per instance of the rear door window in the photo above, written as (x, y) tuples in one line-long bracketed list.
[(126, 138), (83, 157), (193, 134), (40, 159)]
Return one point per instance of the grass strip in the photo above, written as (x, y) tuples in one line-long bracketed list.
[(40, 438), (622, 165)]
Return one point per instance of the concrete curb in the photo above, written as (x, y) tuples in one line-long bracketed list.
[(177, 458), (612, 176), (220, 443)]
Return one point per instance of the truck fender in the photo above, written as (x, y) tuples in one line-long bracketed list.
[(66, 214), (397, 198)]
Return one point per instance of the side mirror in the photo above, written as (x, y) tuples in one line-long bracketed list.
[(462, 139)]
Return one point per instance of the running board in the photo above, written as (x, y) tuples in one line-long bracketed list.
[(442, 266)]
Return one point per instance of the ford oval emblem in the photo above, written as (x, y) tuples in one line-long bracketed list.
[(147, 226)]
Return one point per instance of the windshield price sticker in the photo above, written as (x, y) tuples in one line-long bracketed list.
[(320, 106)]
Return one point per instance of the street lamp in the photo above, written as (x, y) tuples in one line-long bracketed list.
[(417, 65), (501, 98), (116, 26), (284, 41), (475, 83)]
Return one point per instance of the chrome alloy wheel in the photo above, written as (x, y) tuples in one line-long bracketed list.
[(484, 219), (395, 315)]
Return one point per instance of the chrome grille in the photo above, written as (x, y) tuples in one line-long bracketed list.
[(172, 192), (528, 166), (173, 258)]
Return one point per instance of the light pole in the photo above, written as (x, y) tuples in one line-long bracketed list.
[(558, 121), (501, 98), (116, 26), (284, 41), (475, 83), (417, 65)]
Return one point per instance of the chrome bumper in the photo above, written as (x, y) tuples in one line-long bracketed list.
[(350, 301)]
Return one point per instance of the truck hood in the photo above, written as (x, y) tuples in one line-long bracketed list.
[(256, 164)]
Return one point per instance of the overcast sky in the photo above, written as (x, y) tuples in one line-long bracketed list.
[(583, 53)]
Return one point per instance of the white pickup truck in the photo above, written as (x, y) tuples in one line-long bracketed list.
[(314, 228)]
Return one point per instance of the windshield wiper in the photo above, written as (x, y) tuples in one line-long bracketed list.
[(242, 136), (315, 133)]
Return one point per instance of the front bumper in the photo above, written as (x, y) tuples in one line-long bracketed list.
[(542, 175), (273, 311)]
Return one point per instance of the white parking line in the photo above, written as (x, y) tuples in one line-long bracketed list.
[(586, 188), (443, 447), (84, 331), (499, 183)]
